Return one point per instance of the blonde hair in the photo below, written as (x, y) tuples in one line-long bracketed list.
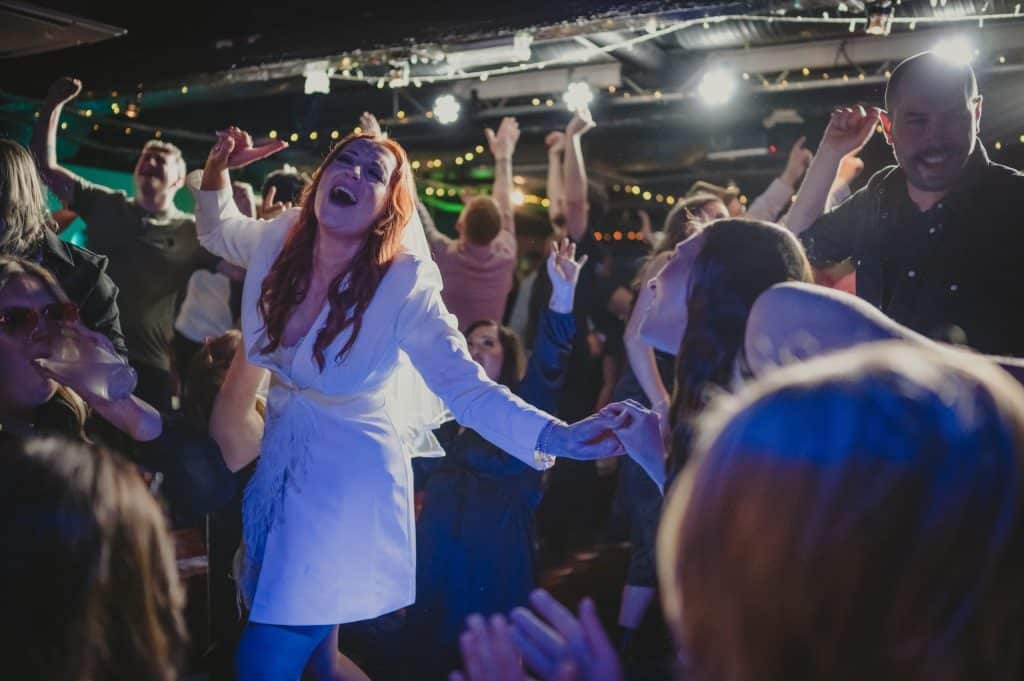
[(23, 210)]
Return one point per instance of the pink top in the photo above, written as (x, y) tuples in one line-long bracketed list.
[(477, 279)]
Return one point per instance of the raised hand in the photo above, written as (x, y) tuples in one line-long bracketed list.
[(564, 272), (553, 641), (503, 142), (63, 90), (555, 141), (849, 129), (849, 168), (235, 149), (581, 123), (370, 125), (797, 164), (269, 208), (646, 231)]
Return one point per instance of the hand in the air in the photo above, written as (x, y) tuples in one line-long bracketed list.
[(235, 149), (564, 272), (555, 141), (370, 125), (797, 164), (269, 208), (849, 129), (63, 90), (503, 142), (581, 123)]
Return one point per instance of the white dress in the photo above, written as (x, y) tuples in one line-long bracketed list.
[(332, 493)]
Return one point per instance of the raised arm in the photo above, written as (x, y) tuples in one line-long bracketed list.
[(776, 199), (234, 423), (577, 210), (220, 226), (503, 148), (60, 180), (545, 373), (555, 142), (847, 132)]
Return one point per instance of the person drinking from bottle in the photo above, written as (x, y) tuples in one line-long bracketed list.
[(55, 370)]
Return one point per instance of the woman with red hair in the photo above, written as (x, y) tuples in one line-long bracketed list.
[(341, 300)]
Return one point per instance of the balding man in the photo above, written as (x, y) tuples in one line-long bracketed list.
[(937, 239)]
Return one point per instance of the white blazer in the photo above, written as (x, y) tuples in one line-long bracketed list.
[(331, 499)]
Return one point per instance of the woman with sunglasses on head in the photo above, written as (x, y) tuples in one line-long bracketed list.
[(341, 301), (35, 314)]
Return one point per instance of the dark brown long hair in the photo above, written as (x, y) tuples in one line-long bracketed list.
[(89, 582), (513, 366), (858, 516), (739, 260), (287, 282)]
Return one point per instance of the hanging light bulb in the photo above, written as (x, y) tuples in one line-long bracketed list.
[(446, 109), (717, 86), (578, 96)]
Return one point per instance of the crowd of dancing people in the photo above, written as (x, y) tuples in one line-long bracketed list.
[(807, 412)]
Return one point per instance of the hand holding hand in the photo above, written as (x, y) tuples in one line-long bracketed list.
[(799, 160), (641, 436), (849, 129), (554, 643), (370, 125), (63, 90), (588, 439), (235, 149), (581, 123), (564, 272), (503, 143)]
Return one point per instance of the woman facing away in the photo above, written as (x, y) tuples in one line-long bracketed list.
[(336, 306), (88, 580)]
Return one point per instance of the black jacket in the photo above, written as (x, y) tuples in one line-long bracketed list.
[(82, 275)]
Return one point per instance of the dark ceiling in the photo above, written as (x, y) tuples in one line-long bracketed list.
[(242, 64)]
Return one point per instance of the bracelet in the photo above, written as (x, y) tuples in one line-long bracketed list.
[(542, 457)]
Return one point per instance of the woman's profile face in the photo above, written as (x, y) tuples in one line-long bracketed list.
[(354, 188), (665, 312), (23, 386)]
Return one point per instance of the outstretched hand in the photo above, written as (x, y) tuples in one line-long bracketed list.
[(849, 129), (63, 90), (503, 143), (235, 149)]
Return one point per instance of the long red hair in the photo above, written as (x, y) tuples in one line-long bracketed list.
[(287, 282)]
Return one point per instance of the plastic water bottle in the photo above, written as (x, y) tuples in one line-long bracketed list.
[(94, 368)]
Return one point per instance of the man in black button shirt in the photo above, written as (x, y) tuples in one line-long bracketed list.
[(151, 245), (936, 239)]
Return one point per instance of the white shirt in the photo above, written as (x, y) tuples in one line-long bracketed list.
[(206, 310), (332, 494)]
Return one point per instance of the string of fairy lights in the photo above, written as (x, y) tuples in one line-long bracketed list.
[(124, 110)]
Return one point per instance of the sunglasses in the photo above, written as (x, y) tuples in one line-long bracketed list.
[(22, 320)]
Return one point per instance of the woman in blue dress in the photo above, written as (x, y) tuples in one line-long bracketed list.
[(475, 535)]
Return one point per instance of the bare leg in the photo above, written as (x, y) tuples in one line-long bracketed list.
[(328, 664)]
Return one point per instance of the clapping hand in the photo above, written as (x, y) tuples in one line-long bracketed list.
[(849, 129), (564, 272), (503, 143), (557, 645), (581, 123), (235, 149)]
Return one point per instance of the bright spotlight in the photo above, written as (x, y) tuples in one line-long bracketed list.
[(446, 109), (717, 86), (955, 50), (577, 96), (518, 197)]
